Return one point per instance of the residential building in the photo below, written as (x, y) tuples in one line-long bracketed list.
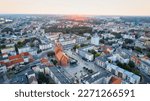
[(3, 69), (118, 57), (101, 61), (60, 76), (27, 49), (22, 58), (8, 52), (45, 46), (53, 36), (83, 52), (32, 78), (96, 78), (136, 60), (105, 49), (80, 39), (68, 43), (24, 49), (145, 66), (124, 74)]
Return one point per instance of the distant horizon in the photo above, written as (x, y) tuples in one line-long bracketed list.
[(77, 7), (76, 15)]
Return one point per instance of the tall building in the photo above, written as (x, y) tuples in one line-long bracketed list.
[(95, 39)]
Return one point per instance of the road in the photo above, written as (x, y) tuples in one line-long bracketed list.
[(146, 78), (44, 53)]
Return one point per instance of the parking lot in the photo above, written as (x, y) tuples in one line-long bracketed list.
[(79, 70)]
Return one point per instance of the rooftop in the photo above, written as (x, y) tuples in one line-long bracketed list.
[(62, 75), (94, 77), (115, 80)]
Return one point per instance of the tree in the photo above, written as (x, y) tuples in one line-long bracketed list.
[(42, 78), (39, 51), (88, 38), (7, 30), (138, 49), (131, 64), (32, 45), (92, 51), (128, 41), (54, 62), (20, 44), (102, 41), (119, 64), (76, 47), (83, 45), (148, 54), (96, 54), (2, 46), (50, 54), (117, 35)]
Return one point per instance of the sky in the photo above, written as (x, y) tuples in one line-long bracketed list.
[(79, 7)]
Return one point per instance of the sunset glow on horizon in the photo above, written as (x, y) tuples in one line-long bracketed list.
[(79, 7)]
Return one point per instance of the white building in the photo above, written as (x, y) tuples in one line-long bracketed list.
[(101, 61), (53, 36), (33, 52), (66, 42), (83, 52), (96, 78), (27, 49), (8, 51), (80, 39), (60, 76), (2, 69), (95, 39), (46, 46), (26, 59), (24, 49), (124, 74), (117, 57), (145, 66), (32, 78)]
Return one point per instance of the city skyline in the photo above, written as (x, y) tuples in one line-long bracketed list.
[(76, 7)]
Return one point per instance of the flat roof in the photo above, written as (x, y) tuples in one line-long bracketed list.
[(145, 62), (94, 77), (62, 75)]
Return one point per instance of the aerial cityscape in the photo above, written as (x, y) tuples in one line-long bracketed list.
[(69, 49), (74, 42)]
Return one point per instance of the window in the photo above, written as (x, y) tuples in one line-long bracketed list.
[(119, 74), (113, 71)]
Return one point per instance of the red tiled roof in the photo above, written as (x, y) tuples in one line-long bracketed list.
[(44, 60), (25, 54), (136, 60), (14, 57), (60, 56), (4, 54), (2, 62), (115, 80), (19, 60), (8, 64)]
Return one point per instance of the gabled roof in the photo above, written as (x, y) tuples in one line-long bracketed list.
[(14, 57)]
